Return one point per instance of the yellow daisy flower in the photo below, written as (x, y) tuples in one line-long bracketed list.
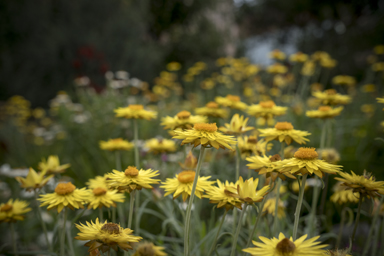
[(252, 146), (283, 246), (132, 179), (100, 197), (328, 63), (65, 195), (247, 190), (116, 144), (34, 180), (97, 182), (270, 206), (212, 109), (331, 97), (173, 66), (52, 165), (284, 131), (344, 80), (380, 100), (266, 110), (269, 166), (231, 101), (237, 126), (160, 145), (298, 57), (182, 184), (305, 161), (149, 249), (329, 155), (206, 135), (104, 236), (183, 120), (342, 195), (135, 112), (277, 68), (223, 195), (365, 185), (277, 55), (13, 210), (324, 112)]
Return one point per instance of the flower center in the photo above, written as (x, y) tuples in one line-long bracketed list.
[(136, 107), (306, 153), (206, 127), (252, 140), (99, 191), (233, 97), (325, 108), (65, 188), (186, 176), (6, 208), (183, 114), (212, 105), (275, 158), (131, 171), (111, 228), (283, 126), (267, 104), (286, 247), (331, 91)]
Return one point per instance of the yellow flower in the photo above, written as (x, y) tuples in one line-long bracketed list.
[(344, 80), (277, 68), (116, 144), (206, 135), (324, 112), (298, 57), (270, 206), (160, 145), (331, 97), (330, 155), (328, 63), (269, 166), (231, 101), (135, 112), (97, 182), (277, 54), (342, 195), (52, 165), (320, 55), (252, 146), (308, 68), (266, 110), (367, 88), (212, 109), (283, 246), (379, 66), (379, 49), (247, 190), (13, 210), (104, 236), (380, 100), (295, 186), (365, 185), (224, 195), (305, 161), (149, 249), (173, 66), (132, 179), (182, 184), (65, 195), (237, 126), (183, 120), (284, 131), (101, 196), (34, 180)]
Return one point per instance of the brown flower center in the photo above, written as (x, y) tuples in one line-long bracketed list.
[(325, 108), (6, 208), (283, 126), (275, 158), (252, 140), (206, 127), (183, 114), (131, 171), (212, 104), (136, 107), (306, 153), (233, 97), (111, 228), (99, 191), (267, 104), (286, 247), (186, 176), (331, 91), (65, 188)]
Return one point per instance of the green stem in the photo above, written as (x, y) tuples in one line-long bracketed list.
[(234, 243), (342, 222), (62, 238), (323, 134), (69, 237), (375, 238), (298, 207), (120, 212), (131, 205), (315, 197), (136, 139), (113, 214), (42, 222), (13, 236), (118, 160), (382, 236), (217, 234), (356, 223), (329, 135), (372, 228), (236, 179), (276, 219), (101, 214), (190, 202)]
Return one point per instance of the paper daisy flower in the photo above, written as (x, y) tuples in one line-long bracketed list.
[(277, 55), (329, 155), (270, 206), (284, 131), (206, 135), (277, 68), (298, 57), (266, 110), (331, 97), (13, 210), (97, 182), (182, 185), (116, 144), (365, 185), (283, 246), (224, 195), (252, 146), (104, 236), (247, 190), (65, 195), (52, 165), (149, 249), (183, 120), (212, 109), (231, 101), (135, 112), (305, 161), (132, 179), (342, 195), (99, 197), (237, 126), (160, 145), (34, 180), (324, 112), (380, 100), (268, 165), (344, 80)]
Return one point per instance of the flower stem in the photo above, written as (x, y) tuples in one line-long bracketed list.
[(13, 234), (342, 222), (238, 230), (217, 234), (323, 134), (315, 198), (131, 205), (118, 160), (298, 206), (356, 223), (236, 179), (101, 214), (62, 238), (372, 228), (276, 219), (42, 222), (190, 202), (136, 139)]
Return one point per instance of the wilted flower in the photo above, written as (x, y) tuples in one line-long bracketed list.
[(343, 195)]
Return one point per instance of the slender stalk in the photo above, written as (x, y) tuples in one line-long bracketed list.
[(190, 202), (136, 139), (323, 134), (118, 160), (326, 177), (120, 211), (315, 197), (113, 214), (372, 228), (69, 237), (234, 243), (375, 238), (342, 222), (217, 234), (131, 205), (382, 237), (42, 222), (62, 238), (13, 236), (101, 214), (236, 178), (276, 219), (356, 223), (298, 207)]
